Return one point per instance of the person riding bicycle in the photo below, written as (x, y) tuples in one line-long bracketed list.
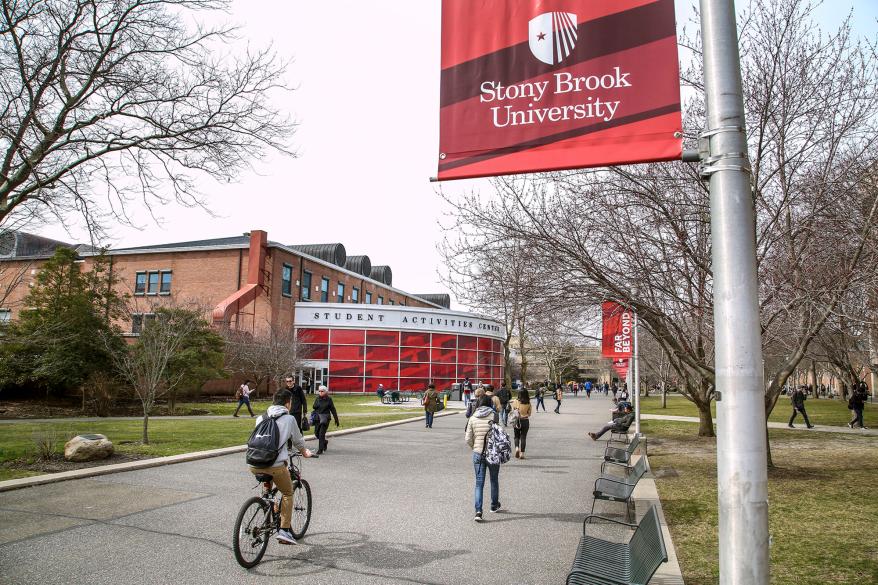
[(289, 435)]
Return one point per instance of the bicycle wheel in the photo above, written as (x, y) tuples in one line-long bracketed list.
[(301, 508), (253, 529)]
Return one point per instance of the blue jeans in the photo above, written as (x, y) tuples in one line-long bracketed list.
[(429, 418), (494, 470), (504, 414)]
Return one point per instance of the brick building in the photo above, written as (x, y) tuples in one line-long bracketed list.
[(250, 284)]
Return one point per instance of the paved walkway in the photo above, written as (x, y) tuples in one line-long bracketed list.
[(773, 425), (391, 506), (194, 417)]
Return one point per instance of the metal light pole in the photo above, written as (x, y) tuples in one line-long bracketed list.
[(741, 443), (636, 378)]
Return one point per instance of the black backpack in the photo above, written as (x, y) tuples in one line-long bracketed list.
[(263, 445)]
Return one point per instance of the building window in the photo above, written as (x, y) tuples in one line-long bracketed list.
[(380, 300), (306, 286), (5, 316), (138, 320), (355, 294), (166, 282), (324, 290), (286, 280), (153, 283), (340, 292), (392, 302), (368, 298), (140, 283)]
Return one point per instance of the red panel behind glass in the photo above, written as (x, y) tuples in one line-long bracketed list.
[(444, 370), (382, 354), (467, 342), (372, 384), (416, 384), (444, 384), (417, 354), (465, 371), (444, 340), (467, 356), (345, 368), (340, 384), (498, 346), (382, 369), (315, 352), (485, 358), (382, 337), (348, 352), (486, 344), (444, 356), (415, 339), (348, 336), (484, 372), (409, 370), (314, 335)]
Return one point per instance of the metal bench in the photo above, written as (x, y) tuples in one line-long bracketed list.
[(624, 563), (620, 455), (619, 488), (620, 436)]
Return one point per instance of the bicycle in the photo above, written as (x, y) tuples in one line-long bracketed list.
[(259, 517)]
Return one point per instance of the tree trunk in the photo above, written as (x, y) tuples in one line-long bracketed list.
[(705, 420), (145, 438), (522, 351), (664, 395), (768, 449), (814, 375), (507, 371)]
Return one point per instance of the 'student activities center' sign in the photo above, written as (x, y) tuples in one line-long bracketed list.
[(540, 85)]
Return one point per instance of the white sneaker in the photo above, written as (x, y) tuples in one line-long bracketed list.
[(284, 537)]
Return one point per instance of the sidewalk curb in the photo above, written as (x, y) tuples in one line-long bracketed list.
[(771, 425), (24, 482)]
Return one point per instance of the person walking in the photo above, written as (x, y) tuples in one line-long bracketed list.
[(495, 402), (559, 393), (467, 391), (299, 404), (588, 388), (540, 393), (504, 395), (431, 400), (857, 403), (797, 399), (477, 429), (288, 433), (323, 407), (243, 395), (522, 426)]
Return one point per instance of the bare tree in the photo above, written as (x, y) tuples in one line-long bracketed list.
[(269, 355), (122, 100), (148, 364)]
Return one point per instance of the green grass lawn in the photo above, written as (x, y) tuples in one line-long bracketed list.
[(822, 504), (821, 412), (344, 403), (167, 437)]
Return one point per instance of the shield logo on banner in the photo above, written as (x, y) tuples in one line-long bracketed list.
[(552, 36)]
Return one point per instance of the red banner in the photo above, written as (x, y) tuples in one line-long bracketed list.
[(539, 85), (621, 367), (618, 331)]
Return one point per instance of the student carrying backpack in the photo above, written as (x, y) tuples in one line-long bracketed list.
[(268, 453), (487, 452)]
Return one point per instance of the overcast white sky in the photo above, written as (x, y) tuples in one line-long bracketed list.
[(368, 106)]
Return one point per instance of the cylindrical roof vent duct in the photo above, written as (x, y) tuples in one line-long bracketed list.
[(382, 274), (360, 265), (333, 253)]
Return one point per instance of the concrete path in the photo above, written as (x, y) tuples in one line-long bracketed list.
[(391, 506), (773, 425)]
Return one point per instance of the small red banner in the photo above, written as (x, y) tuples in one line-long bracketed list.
[(618, 331), (540, 85), (621, 367)]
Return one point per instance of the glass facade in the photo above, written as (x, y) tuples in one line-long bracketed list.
[(360, 359)]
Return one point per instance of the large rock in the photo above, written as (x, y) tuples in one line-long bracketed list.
[(88, 448)]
